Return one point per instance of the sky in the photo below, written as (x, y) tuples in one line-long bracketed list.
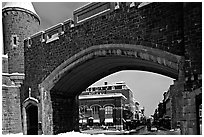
[(147, 87)]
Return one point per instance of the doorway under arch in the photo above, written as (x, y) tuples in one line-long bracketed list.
[(32, 119), (30, 112)]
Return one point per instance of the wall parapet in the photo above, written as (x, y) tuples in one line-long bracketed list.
[(52, 33)]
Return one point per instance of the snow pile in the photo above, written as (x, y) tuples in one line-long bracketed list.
[(76, 134), (14, 134)]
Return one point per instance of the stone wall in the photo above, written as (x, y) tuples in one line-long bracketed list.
[(171, 27), (11, 112), (157, 25), (17, 24), (21, 25), (65, 113), (193, 45), (5, 64), (193, 65)]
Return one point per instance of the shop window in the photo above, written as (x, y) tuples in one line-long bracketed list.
[(95, 109), (104, 88), (108, 110), (83, 109)]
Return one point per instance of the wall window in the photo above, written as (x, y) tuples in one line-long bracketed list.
[(109, 88), (108, 110), (104, 88), (118, 87), (14, 41), (83, 109), (95, 109)]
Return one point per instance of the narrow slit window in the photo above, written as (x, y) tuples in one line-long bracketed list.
[(14, 40)]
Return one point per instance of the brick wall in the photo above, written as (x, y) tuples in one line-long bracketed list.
[(117, 102), (11, 118)]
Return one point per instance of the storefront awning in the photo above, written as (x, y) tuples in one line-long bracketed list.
[(109, 120), (96, 121), (83, 121)]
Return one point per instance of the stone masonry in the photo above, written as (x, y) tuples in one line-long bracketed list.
[(18, 24), (171, 27), (60, 62)]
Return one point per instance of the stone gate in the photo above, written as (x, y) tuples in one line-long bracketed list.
[(63, 60)]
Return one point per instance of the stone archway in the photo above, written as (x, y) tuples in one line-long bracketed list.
[(62, 87), (30, 116)]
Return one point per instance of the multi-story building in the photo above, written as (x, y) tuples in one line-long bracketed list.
[(109, 104), (102, 109), (118, 87)]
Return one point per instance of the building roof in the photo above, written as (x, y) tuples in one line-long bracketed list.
[(113, 84), (96, 96), (22, 5)]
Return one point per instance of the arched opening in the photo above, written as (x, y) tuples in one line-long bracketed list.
[(62, 87), (32, 119), (109, 115)]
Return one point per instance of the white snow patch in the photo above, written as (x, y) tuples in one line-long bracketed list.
[(110, 95), (76, 134), (12, 134)]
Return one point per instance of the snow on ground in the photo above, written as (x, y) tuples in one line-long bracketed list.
[(77, 134), (14, 134)]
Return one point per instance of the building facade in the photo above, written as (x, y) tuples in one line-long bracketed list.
[(110, 105), (102, 110)]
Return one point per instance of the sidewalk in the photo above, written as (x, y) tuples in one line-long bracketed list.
[(101, 131), (161, 132), (111, 132)]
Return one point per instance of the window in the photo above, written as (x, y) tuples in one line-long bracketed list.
[(109, 88), (95, 109), (108, 110), (104, 88), (118, 87), (14, 40), (83, 109)]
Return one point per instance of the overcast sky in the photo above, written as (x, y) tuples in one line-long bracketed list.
[(148, 88)]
